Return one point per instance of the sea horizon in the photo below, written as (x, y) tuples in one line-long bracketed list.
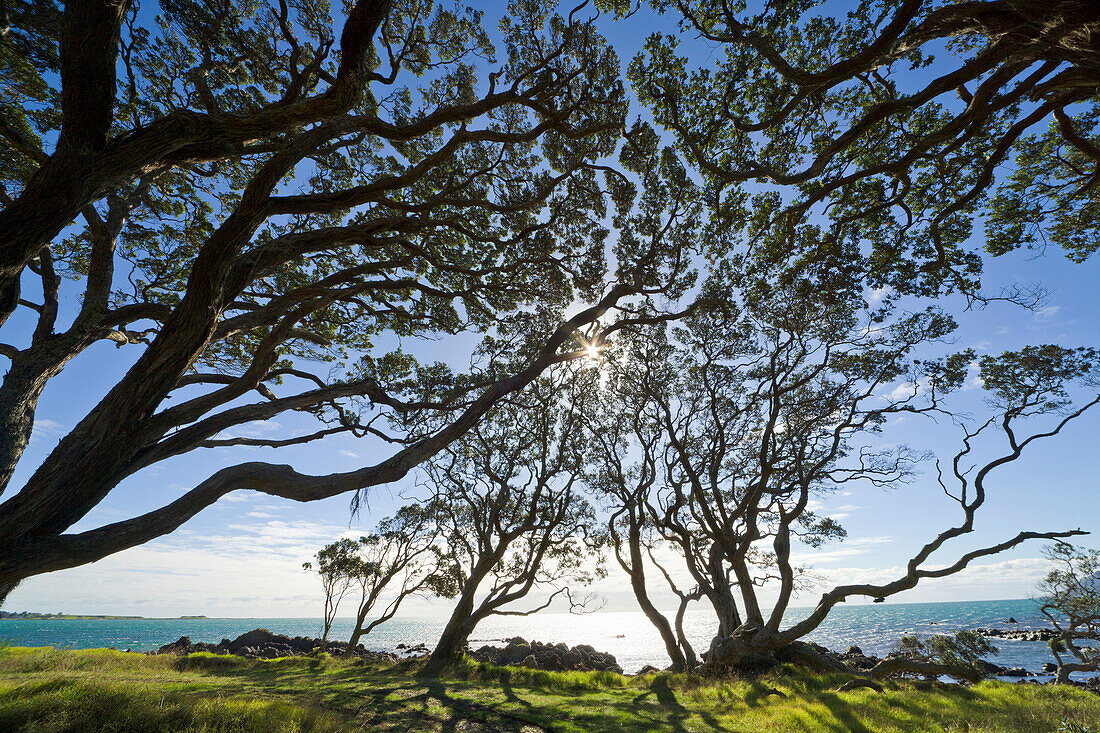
[(874, 628), (444, 614)]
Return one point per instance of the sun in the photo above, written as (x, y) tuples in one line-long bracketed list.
[(593, 351)]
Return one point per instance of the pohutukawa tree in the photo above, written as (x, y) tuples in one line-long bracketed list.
[(903, 119), (395, 563), (1070, 598), (625, 483), (337, 565), (238, 192), (512, 516), (764, 401)]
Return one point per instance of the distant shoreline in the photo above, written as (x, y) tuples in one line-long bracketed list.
[(29, 616)]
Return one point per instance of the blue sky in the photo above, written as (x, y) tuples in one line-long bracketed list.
[(242, 556)]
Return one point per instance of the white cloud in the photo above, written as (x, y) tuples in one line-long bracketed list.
[(874, 296), (46, 428), (250, 570), (973, 377), (1048, 314), (348, 453), (850, 547), (1005, 579), (906, 391)]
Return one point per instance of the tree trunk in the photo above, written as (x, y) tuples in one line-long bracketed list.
[(27, 377), (357, 632), (748, 647), (636, 571), (689, 651), (672, 646), (453, 639)]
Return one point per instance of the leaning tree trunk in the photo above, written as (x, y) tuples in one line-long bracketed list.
[(357, 632), (668, 636), (689, 651), (453, 639), (637, 583)]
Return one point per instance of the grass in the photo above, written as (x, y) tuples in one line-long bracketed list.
[(43, 689)]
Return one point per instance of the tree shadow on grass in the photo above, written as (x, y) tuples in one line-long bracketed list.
[(677, 714), (841, 719), (489, 717)]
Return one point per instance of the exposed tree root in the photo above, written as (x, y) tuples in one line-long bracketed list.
[(859, 682)]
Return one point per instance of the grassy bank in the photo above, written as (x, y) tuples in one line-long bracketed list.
[(99, 690)]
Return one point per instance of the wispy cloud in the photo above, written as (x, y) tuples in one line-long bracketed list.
[(1047, 314)]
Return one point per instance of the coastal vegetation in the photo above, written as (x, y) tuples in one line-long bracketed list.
[(99, 690), (691, 297), (1070, 599), (236, 197)]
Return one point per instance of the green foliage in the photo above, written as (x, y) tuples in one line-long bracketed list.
[(963, 649), (902, 123), (1037, 378), (1050, 197), (1070, 598)]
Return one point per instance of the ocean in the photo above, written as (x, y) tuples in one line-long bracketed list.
[(627, 635)]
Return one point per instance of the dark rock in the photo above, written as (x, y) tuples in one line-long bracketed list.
[(648, 669), (1019, 634), (1015, 672), (854, 650), (179, 646), (256, 637), (265, 644), (1011, 620), (572, 660), (1050, 667), (990, 668), (554, 657)]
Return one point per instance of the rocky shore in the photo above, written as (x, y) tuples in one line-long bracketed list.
[(1018, 634), (553, 657), (264, 644)]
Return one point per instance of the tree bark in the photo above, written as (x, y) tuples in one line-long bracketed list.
[(689, 651), (85, 165), (636, 572), (455, 634), (5, 591)]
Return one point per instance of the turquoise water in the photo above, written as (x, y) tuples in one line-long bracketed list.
[(874, 628)]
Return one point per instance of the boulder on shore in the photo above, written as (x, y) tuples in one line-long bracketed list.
[(265, 644), (553, 657)]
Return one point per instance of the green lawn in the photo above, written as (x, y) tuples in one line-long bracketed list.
[(99, 690)]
